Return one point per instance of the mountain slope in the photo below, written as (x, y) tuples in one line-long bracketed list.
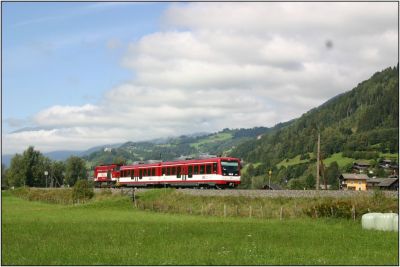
[(196, 145), (363, 119)]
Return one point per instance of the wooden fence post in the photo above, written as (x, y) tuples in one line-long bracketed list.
[(281, 214), (353, 211), (224, 210), (250, 211), (262, 212)]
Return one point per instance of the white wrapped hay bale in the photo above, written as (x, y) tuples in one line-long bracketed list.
[(368, 220), (396, 222), (380, 221), (384, 221)]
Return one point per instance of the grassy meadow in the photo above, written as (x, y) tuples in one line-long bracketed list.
[(110, 231)]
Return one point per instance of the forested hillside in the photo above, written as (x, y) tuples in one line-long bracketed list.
[(362, 122), (219, 143)]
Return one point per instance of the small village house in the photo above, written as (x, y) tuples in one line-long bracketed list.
[(361, 166), (352, 181)]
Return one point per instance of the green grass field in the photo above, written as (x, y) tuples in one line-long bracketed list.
[(338, 157), (212, 139), (112, 232), (293, 161)]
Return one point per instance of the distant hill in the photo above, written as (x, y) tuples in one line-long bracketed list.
[(61, 154), (194, 145), (54, 155)]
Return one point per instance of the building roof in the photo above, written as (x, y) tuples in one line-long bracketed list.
[(375, 180), (354, 176), (363, 163), (388, 182)]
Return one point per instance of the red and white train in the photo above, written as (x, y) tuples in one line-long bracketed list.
[(218, 172)]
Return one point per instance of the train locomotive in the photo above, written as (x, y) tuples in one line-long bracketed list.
[(219, 172)]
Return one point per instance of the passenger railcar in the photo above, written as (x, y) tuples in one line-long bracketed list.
[(218, 172)]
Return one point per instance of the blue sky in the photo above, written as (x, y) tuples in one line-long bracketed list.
[(63, 54), (82, 74)]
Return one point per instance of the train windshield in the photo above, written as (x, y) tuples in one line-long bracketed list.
[(230, 168)]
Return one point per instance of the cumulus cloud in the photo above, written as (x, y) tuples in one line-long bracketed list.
[(217, 65)]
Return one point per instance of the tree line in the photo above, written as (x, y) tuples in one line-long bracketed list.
[(33, 169)]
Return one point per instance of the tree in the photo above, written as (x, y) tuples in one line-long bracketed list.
[(28, 169), (82, 190), (250, 170), (332, 174), (75, 170), (31, 161), (296, 183), (57, 172), (4, 181), (310, 181), (16, 173)]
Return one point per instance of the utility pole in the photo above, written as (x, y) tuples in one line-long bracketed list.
[(269, 179), (45, 174), (317, 185)]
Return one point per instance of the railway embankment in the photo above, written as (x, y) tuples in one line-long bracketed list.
[(267, 193)]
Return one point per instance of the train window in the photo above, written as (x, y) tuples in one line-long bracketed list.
[(153, 172), (108, 174), (190, 171), (178, 172), (196, 169), (131, 174), (173, 171), (201, 169), (140, 174), (208, 168), (215, 167), (164, 171)]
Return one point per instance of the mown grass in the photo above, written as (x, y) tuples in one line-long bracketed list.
[(211, 139), (389, 156), (338, 157), (293, 161), (112, 232)]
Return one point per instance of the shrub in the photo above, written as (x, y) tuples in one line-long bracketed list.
[(82, 191), (105, 192), (58, 196)]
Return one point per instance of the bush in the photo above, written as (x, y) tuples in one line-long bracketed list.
[(55, 196), (82, 191)]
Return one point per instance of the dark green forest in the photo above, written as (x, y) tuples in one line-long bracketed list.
[(361, 123)]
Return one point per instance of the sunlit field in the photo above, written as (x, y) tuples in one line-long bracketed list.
[(112, 232)]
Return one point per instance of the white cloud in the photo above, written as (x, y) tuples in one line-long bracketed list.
[(217, 65)]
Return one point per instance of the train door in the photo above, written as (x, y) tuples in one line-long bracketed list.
[(184, 172), (136, 174)]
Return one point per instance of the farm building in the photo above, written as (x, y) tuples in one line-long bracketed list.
[(352, 181)]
